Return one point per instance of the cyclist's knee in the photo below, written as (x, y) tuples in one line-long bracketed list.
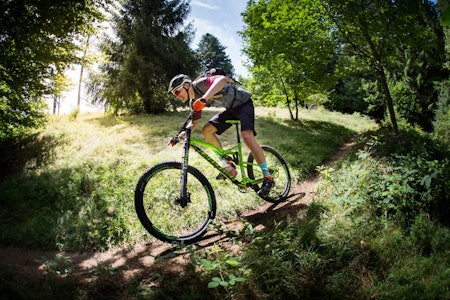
[(248, 135)]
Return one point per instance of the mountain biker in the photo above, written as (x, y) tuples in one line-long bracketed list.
[(219, 91)]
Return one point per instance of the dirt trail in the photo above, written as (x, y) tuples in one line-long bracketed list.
[(142, 258)]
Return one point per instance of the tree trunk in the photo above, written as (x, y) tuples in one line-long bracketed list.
[(83, 60), (288, 100), (388, 97), (55, 102)]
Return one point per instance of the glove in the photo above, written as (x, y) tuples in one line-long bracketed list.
[(199, 104), (174, 141)]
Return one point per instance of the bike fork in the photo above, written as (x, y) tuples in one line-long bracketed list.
[(184, 195)]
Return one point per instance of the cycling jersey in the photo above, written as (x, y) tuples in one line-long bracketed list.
[(229, 97)]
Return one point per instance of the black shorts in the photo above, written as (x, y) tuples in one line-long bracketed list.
[(245, 113)]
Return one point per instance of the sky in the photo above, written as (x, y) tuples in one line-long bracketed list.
[(222, 19)]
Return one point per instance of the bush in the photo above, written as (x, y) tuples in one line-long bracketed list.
[(406, 186)]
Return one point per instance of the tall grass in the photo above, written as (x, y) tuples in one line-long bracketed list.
[(73, 186)]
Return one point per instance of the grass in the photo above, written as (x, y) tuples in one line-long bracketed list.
[(73, 184)]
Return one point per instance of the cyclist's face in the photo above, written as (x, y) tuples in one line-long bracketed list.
[(181, 94)]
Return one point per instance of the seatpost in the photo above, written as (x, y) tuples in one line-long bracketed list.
[(237, 133)]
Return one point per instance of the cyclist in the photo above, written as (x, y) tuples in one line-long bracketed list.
[(219, 90)]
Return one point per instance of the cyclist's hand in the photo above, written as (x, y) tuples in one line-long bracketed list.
[(199, 104), (174, 141)]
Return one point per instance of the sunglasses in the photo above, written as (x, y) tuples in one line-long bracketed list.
[(177, 92)]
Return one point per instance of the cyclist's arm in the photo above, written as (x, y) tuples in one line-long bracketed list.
[(217, 84), (194, 124)]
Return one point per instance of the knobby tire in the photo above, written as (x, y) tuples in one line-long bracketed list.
[(280, 172), (157, 203)]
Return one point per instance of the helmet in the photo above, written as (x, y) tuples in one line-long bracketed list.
[(177, 82)]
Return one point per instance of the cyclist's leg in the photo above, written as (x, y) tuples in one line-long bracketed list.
[(216, 126), (209, 133), (247, 117)]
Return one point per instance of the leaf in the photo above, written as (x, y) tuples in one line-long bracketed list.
[(241, 279), (213, 284), (232, 280), (232, 262), (205, 263), (209, 266), (224, 283)]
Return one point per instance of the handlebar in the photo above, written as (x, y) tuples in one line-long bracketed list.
[(176, 138)]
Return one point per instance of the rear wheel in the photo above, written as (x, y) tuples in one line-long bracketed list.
[(164, 214), (279, 170)]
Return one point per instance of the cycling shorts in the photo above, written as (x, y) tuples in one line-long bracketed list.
[(245, 113)]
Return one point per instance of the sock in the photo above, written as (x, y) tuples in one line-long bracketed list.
[(264, 169), (221, 159)]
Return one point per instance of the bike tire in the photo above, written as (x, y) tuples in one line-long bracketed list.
[(280, 172), (159, 212)]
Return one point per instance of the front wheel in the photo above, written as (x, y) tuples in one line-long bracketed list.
[(161, 210), (279, 170)]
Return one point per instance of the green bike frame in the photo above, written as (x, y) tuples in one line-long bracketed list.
[(235, 152)]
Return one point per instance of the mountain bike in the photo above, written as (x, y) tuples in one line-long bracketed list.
[(175, 202)]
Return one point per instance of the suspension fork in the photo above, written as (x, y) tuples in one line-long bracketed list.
[(184, 197)]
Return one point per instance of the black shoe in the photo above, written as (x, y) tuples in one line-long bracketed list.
[(266, 186)]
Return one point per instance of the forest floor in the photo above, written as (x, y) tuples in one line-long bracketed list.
[(143, 259)]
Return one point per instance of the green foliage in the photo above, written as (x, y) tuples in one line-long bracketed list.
[(14, 125), (225, 270), (442, 115), (290, 46), (446, 17), (38, 43), (409, 186), (212, 54), (420, 64), (343, 248), (152, 45), (412, 264), (357, 91), (442, 120), (403, 43), (409, 176)]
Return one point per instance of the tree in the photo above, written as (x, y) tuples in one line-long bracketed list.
[(59, 84), (151, 46), (212, 54), (37, 42), (386, 35), (289, 43), (441, 122)]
